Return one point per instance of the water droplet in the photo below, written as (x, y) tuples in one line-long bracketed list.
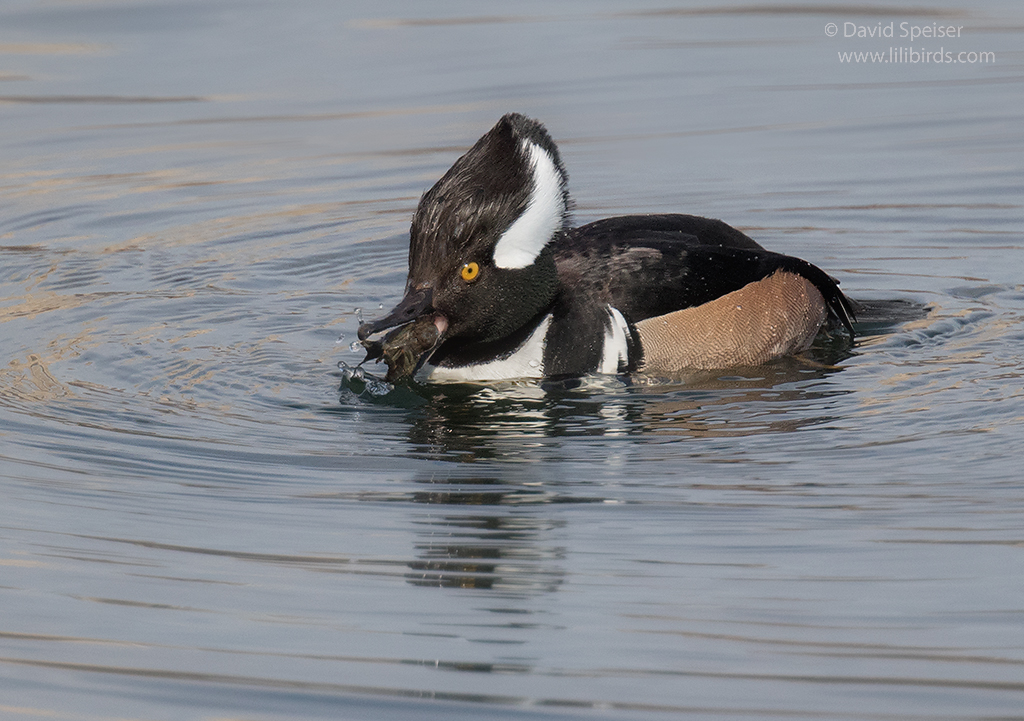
[(341, 339), (359, 315), (342, 365), (380, 307), (355, 346), (534, 364)]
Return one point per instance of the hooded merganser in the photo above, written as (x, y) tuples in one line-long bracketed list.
[(500, 286)]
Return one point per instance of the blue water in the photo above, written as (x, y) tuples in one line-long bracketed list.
[(203, 519)]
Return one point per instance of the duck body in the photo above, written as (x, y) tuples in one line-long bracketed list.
[(513, 291)]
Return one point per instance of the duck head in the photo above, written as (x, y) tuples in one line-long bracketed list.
[(480, 266)]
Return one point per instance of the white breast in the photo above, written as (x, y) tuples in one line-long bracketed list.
[(527, 361)]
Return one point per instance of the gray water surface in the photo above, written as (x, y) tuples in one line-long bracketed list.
[(203, 519)]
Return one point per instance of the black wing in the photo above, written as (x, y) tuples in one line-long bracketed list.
[(649, 265)]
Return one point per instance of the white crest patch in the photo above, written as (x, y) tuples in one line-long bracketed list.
[(520, 245)]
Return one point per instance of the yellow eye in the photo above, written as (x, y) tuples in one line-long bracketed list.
[(470, 271)]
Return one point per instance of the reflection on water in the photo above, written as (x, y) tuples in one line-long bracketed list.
[(200, 523), (500, 546)]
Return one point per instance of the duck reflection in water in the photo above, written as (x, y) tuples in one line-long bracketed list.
[(492, 535)]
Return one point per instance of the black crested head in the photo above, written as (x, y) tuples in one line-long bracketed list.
[(480, 266)]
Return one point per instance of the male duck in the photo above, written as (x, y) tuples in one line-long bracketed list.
[(500, 286)]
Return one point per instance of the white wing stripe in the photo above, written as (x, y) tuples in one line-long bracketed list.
[(616, 347)]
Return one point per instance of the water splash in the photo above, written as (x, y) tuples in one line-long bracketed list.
[(378, 388), (355, 375), (350, 373)]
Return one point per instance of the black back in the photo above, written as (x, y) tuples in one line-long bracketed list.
[(649, 265)]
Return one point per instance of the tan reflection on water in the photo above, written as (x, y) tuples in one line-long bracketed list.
[(31, 380)]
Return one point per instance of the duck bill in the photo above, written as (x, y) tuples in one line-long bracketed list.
[(415, 331), (416, 302)]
